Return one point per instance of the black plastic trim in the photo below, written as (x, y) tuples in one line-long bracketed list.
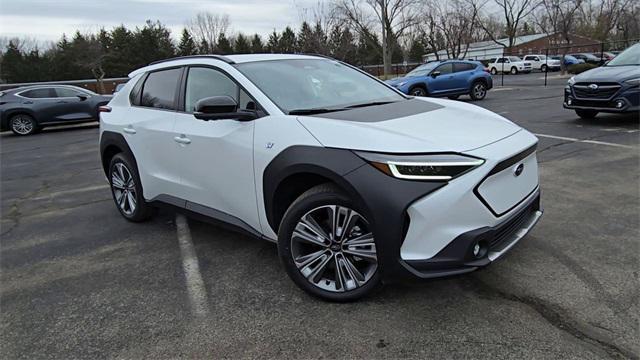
[(111, 138), (215, 57), (383, 199), (207, 214)]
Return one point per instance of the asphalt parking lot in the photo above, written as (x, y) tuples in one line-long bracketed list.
[(77, 280)]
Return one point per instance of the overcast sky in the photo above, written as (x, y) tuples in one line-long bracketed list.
[(46, 20)]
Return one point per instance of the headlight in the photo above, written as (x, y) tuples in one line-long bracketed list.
[(633, 82), (441, 167), (572, 80)]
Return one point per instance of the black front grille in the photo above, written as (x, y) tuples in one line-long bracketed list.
[(507, 229), (595, 90), (593, 103)]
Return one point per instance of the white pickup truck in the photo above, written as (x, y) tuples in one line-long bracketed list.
[(542, 62), (509, 64)]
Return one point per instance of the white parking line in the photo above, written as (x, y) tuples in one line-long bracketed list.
[(501, 88), (73, 191), (586, 141), (195, 286)]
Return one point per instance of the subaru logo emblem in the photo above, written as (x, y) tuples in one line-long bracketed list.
[(593, 87), (518, 170)]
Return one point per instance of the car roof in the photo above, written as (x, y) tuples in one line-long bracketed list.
[(31, 87), (229, 59)]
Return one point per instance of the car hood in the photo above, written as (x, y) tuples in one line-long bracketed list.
[(398, 80), (412, 126), (609, 73)]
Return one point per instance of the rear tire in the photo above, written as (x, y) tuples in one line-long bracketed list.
[(586, 114), (126, 189), (318, 252), (23, 125), (478, 90)]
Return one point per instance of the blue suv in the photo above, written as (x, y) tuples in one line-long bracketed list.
[(450, 78)]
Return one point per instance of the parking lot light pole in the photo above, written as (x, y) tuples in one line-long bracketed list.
[(546, 68)]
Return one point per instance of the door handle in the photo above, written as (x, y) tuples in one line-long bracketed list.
[(129, 130), (62, 102), (182, 140)]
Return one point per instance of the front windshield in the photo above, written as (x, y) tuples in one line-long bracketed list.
[(514, 58), (631, 56), (315, 84), (542, 57), (423, 69)]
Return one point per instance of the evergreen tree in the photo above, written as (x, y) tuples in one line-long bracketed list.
[(369, 51), (320, 40), (342, 45), (12, 64), (306, 43), (273, 45), (152, 42), (417, 50), (203, 47), (241, 45), (287, 43), (187, 46), (224, 45), (119, 60), (256, 44)]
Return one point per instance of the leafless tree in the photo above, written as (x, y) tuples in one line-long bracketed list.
[(513, 12), (450, 25), (391, 17), (206, 27), (557, 17), (599, 18)]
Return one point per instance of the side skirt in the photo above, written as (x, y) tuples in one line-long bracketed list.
[(207, 214)]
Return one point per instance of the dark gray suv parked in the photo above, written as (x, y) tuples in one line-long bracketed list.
[(26, 110)]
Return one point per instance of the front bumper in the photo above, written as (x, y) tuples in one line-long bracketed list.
[(458, 257), (625, 100)]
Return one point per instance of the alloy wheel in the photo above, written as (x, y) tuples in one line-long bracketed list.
[(334, 249), (479, 91), (124, 188), (22, 125)]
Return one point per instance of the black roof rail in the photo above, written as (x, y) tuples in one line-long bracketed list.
[(210, 56)]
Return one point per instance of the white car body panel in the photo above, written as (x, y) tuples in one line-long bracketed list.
[(432, 225), (434, 131), (522, 66), (537, 64)]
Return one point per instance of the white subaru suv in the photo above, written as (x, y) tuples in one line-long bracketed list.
[(509, 64), (357, 183)]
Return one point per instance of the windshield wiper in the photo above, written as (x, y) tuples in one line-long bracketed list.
[(312, 111), (373, 103)]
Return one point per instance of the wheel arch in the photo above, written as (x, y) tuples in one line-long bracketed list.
[(112, 143), (298, 169), (8, 114), (421, 84)]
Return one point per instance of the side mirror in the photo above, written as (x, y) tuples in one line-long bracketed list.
[(82, 97), (219, 108), (435, 74)]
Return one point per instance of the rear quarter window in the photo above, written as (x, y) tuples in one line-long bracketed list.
[(160, 88)]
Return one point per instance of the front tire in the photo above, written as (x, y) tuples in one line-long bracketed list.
[(327, 246), (23, 125), (126, 189), (586, 114), (478, 90), (544, 68), (418, 91), (514, 71), (494, 71)]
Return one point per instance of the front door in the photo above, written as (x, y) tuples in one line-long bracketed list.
[(444, 82), (216, 155)]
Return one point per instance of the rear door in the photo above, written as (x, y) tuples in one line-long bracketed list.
[(443, 83), (44, 103), (148, 129), (462, 75)]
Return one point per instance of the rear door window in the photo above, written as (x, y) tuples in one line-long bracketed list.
[(160, 88), (40, 93), (459, 67), (65, 92)]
